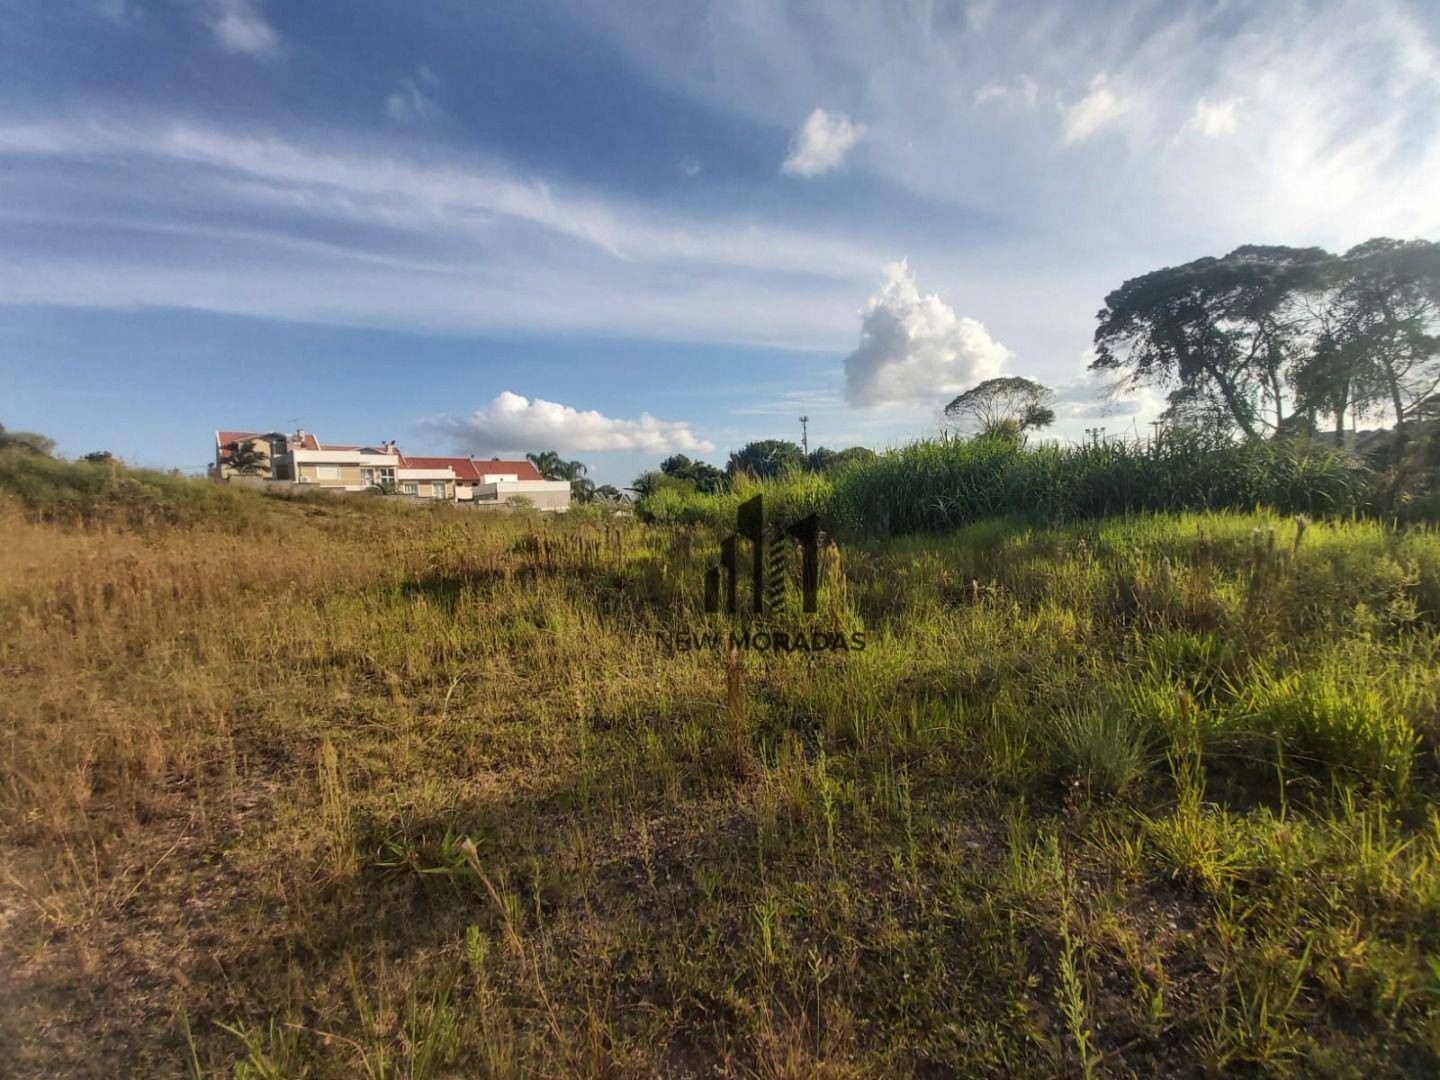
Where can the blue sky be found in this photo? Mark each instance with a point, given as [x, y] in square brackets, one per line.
[622, 230]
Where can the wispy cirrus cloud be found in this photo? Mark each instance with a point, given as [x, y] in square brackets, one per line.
[1101, 107]
[1339, 105]
[358, 234]
[1214, 119]
[1022, 90]
[448, 195]
[412, 101]
[240, 27]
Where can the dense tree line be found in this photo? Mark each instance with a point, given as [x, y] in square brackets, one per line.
[763, 459]
[1269, 339]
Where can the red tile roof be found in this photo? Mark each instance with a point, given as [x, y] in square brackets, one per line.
[471, 469]
[225, 438]
[229, 441]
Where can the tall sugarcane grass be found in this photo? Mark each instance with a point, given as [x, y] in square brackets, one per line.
[936, 485]
[940, 484]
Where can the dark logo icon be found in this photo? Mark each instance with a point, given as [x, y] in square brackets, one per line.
[769, 551]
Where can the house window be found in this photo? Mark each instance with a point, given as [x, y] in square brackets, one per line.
[387, 476]
[412, 488]
[367, 477]
[438, 489]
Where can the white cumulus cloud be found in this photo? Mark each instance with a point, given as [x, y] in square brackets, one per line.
[821, 144]
[914, 349]
[1214, 119]
[1097, 109]
[514, 423]
[240, 28]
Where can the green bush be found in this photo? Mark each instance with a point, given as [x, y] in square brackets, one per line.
[787, 498]
[80, 492]
[1333, 715]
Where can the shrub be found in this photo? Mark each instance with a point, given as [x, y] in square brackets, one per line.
[50, 489]
[1333, 715]
[787, 498]
[1105, 749]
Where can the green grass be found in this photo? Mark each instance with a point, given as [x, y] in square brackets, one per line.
[340, 787]
[936, 485]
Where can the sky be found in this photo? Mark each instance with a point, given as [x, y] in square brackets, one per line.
[624, 230]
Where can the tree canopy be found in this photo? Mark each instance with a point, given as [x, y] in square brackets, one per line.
[1266, 339]
[552, 466]
[704, 476]
[822, 459]
[766, 458]
[1007, 407]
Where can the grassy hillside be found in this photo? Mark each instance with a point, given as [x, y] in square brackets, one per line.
[339, 787]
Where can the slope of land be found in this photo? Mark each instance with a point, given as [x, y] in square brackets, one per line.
[340, 788]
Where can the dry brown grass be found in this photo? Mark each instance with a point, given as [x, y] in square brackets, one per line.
[348, 788]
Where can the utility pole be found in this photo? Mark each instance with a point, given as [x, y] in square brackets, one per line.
[805, 434]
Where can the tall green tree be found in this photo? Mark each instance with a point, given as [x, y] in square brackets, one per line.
[547, 463]
[1229, 331]
[551, 466]
[705, 477]
[1007, 407]
[1327, 382]
[1384, 320]
[766, 458]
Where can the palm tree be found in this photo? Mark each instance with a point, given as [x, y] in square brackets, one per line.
[547, 463]
[245, 459]
[581, 489]
[552, 466]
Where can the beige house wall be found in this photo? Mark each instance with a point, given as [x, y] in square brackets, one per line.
[342, 475]
[542, 495]
[425, 488]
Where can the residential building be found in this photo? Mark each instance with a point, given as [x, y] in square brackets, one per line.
[301, 459]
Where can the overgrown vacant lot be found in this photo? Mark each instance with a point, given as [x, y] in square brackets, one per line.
[346, 788]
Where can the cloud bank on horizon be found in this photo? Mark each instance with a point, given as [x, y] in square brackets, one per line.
[733, 179]
[513, 423]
